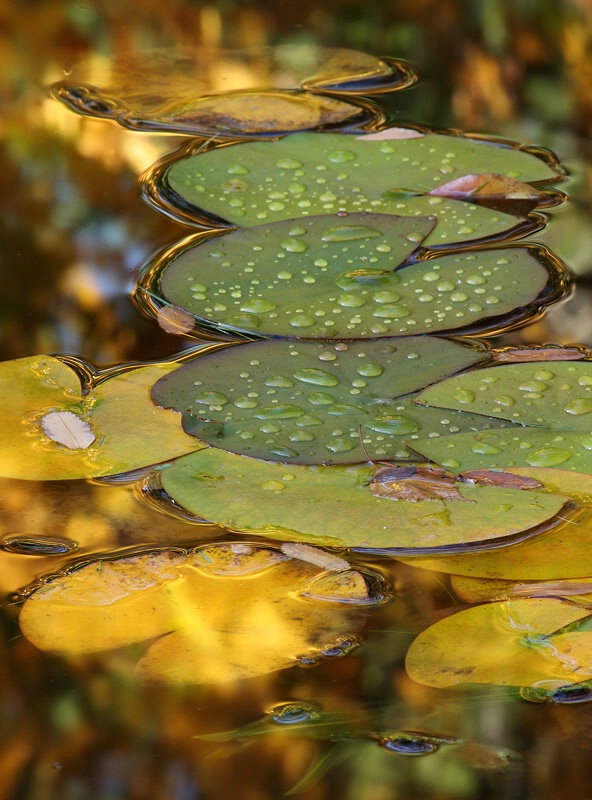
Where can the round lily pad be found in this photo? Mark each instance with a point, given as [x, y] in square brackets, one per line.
[190, 601]
[514, 643]
[49, 430]
[323, 173]
[555, 394]
[336, 276]
[335, 506]
[310, 402]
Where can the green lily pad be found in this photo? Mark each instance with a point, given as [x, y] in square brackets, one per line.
[311, 174]
[510, 447]
[520, 643]
[310, 402]
[334, 277]
[334, 505]
[555, 395]
[49, 430]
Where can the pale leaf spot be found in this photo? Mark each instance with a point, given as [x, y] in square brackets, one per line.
[392, 133]
[68, 429]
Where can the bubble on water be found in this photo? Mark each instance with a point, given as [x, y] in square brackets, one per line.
[548, 457]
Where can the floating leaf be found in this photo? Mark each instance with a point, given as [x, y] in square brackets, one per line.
[542, 353]
[220, 627]
[68, 429]
[229, 92]
[333, 276]
[174, 320]
[312, 174]
[49, 430]
[563, 552]
[516, 646]
[309, 402]
[334, 506]
[488, 186]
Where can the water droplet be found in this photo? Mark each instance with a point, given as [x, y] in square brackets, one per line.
[395, 424]
[245, 402]
[296, 188]
[585, 380]
[502, 508]
[302, 436]
[351, 301]
[294, 245]
[475, 280]
[485, 449]
[341, 445]
[327, 356]
[321, 399]
[284, 276]
[341, 156]
[445, 286]
[587, 442]
[458, 297]
[366, 278]
[273, 486]
[210, 398]
[386, 297]
[236, 185]
[237, 169]
[392, 312]
[504, 400]
[257, 306]
[279, 382]
[548, 457]
[579, 406]
[297, 230]
[293, 713]
[316, 376]
[464, 396]
[289, 163]
[544, 375]
[270, 428]
[370, 370]
[348, 233]
[533, 386]
[307, 420]
[302, 321]
[281, 411]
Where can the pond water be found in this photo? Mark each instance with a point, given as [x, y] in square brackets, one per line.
[361, 669]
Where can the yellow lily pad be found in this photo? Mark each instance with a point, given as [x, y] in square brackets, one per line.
[51, 429]
[478, 590]
[223, 612]
[514, 643]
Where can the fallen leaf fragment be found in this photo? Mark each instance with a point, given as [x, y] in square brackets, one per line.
[174, 320]
[487, 185]
[68, 429]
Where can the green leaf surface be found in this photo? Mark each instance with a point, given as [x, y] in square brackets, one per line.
[312, 174]
[510, 447]
[310, 402]
[509, 644]
[334, 506]
[335, 277]
[128, 431]
[555, 395]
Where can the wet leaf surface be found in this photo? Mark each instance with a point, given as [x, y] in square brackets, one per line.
[127, 430]
[334, 505]
[221, 615]
[312, 174]
[516, 646]
[310, 402]
[335, 276]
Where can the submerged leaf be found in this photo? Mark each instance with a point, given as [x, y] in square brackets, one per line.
[334, 506]
[68, 429]
[516, 646]
[219, 627]
[309, 402]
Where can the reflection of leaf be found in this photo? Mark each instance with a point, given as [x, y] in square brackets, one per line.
[68, 429]
[226, 615]
[334, 277]
[281, 180]
[333, 505]
[40, 393]
[509, 643]
[310, 402]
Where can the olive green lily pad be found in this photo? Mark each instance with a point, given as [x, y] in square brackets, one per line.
[323, 173]
[563, 552]
[334, 505]
[335, 277]
[513, 643]
[555, 395]
[40, 394]
[221, 613]
[310, 402]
